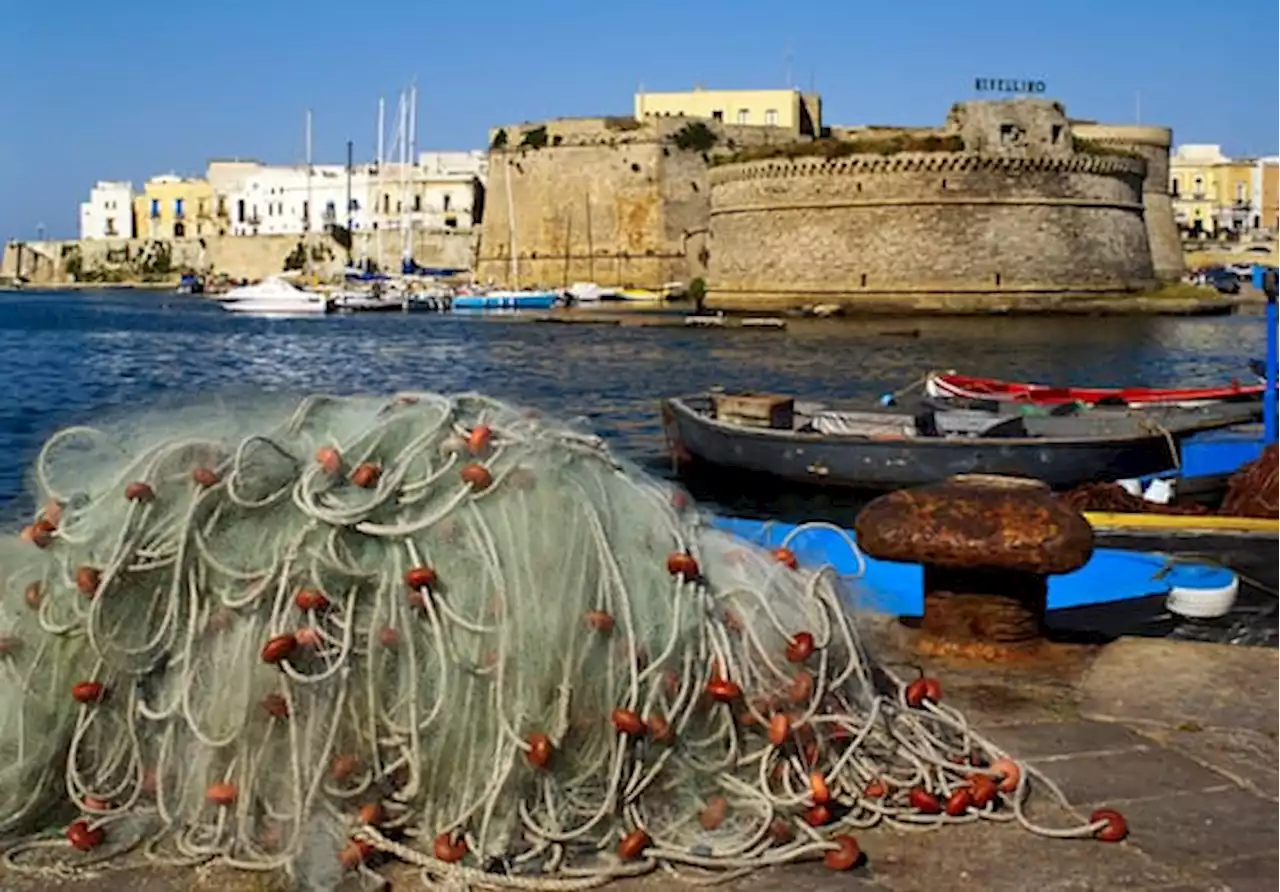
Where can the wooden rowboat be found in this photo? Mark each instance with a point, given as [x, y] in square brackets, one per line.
[947, 385]
[827, 446]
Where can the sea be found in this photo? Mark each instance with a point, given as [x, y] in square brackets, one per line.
[68, 358]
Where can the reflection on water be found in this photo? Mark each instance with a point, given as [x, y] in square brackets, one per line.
[65, 357]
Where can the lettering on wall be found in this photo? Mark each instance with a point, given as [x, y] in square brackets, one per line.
[1008, 85]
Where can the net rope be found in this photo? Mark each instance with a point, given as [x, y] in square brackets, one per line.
[445, 630]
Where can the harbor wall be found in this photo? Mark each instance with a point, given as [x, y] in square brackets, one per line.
[606, 200]
[54, 262]
[1005, 203]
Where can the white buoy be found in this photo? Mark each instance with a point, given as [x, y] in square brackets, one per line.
[1203, 603]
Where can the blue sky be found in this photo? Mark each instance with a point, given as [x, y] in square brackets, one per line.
[124, 90]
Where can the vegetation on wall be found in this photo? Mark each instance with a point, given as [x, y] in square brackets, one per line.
[1089, 147]
[499, 140]
[831, 149]
[156, 262]
[622, 123]
[74, 264]
[695, 137]
[535, 138]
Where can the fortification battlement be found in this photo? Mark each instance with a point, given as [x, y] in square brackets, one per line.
[1124, 134]
[616, 131]
[927, 162]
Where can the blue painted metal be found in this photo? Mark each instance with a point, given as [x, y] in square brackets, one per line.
[898, 589]
[506, 300]
[1270, 396]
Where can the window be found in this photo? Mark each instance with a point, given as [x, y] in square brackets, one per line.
[179, 230]
[240, 210]
[111, 226]
[417, 203]
[1240, 192]
[177, 207]
[448, 201]
[771, 117]
[717, 115]
[1173, 187]
[353, 204]
[155, 207]
[450, 222]
[743, 115]
[330, 210]
[1054, 133]
[1198, 188]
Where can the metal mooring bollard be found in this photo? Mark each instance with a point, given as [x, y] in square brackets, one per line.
[988, 545]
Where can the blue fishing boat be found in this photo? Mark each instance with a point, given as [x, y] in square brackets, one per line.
[1192, 588]
[507, 300]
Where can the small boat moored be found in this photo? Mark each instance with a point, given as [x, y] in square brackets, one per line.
[506, 300]
[822, 445]
[948, 385]
[274, 297]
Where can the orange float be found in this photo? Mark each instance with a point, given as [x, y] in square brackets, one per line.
[845, 856]
[279, 648]
[355, 853]
[343, 766]
[712, 815]
[308, 636]
[205, 477]
[722, 690]
[779, 728]
[982, 789]
[786, 557]
[1007, 773]
[875, 790]
[818, 790]
[600, 621]
[87, 581]
[627, 722]
[83, 838]
[801, 688]
[923, 801]
[370, 814]
[632, 845]
[221, 794]
[818, 816]
[310, 599]
[87, 692]
[800, 647]
[682, 563]
[660, 730]
[420, 577]
[447, 849]
[958, 802]
[539, 752]
[1117, 827]
[330, 460]
[476, 476]
[139, 492]
[366, 475]
[478, 439]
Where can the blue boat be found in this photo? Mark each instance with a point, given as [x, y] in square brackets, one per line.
[897, 589]
[507, 300]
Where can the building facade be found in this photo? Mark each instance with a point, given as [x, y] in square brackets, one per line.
[109, 211]
[174, 207]
[1214, 195]
[793, 111]
[1266, 185]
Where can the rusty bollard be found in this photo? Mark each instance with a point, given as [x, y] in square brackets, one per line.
[987, 545]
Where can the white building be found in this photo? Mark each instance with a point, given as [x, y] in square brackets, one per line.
[444, 190]
[109, 211]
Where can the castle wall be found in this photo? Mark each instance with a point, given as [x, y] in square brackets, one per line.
[607, 200]
[1153, 144]
[788, 233]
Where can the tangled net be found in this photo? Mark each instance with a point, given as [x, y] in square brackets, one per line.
[441, 629]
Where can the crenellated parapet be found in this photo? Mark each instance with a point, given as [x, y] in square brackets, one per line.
[927, 162]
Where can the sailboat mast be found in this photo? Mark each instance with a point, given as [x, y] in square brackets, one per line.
[306, 207]
[377, 182]
[411, 151]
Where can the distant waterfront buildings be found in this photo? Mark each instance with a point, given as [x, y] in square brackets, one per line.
[793, 111]
[109, 211]
[1215, 195]
[441, 191]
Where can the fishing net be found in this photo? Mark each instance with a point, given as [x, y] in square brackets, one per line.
[313, 636]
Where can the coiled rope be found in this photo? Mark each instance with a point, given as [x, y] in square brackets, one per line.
[444, 630]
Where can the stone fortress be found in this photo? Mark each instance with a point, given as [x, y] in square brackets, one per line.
[1009, 201]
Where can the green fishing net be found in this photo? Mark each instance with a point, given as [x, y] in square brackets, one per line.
[316, 636]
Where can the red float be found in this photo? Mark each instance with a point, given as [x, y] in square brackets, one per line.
[139, 492]
[627, 722]
[1117, 827]
[279, 648]
[449, 850]
[923, 801]
[477, 476]
[632, 845]
[786, 557]
[87, 692]
[682, 564]
[800, 647]
[844, 857]
[540, 750]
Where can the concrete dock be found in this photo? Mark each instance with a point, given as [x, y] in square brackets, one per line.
[1180, 737]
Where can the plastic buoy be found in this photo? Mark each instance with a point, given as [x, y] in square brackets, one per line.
[1201, 591]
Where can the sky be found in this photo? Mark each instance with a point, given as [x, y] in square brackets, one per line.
[125, 90]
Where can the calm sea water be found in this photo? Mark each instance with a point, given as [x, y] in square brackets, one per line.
[65, 357]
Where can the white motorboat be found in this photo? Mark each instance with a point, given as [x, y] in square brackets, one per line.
[274, 296]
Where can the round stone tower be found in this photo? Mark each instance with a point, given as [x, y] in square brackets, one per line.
[1153, 144]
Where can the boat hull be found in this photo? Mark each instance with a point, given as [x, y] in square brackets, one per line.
[871, 463]
[951, 386]
[506, 301]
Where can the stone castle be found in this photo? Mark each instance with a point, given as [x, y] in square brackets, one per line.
[1006, 200]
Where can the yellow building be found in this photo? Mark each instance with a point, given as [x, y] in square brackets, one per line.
[1268, 186]
[799, 113]
[1213, 194]
[175, 207]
